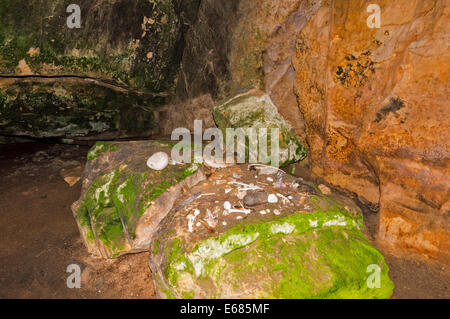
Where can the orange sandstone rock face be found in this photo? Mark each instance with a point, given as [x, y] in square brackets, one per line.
[375, 103]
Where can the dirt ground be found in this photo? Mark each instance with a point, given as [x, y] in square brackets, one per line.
[39, 237]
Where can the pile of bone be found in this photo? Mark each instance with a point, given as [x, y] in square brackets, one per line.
[267, 191]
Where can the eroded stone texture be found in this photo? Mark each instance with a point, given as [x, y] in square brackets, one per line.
[122, 200]
[132, 49]
[375, 103]
[253, 109]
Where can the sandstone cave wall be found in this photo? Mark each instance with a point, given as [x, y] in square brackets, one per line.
[372, 104]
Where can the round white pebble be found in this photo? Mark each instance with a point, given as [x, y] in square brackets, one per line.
[269, 179]
[276, 212]
[227, 205]
[263, 212]
[158, 161]
[290, 197]
[239, 217]
[196, 212]
[272, 198]
[224, 223]
[198, 224]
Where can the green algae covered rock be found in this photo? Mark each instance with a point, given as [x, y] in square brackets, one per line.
[122, 200]
[318, 252]
[255, 109]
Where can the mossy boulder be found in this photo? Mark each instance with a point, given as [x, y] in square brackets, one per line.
[252, 108]
[122, 200]
[311, 250]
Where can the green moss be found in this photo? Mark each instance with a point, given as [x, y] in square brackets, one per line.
[156, 245]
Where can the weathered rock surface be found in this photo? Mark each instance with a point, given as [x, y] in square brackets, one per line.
[123, 59]
[255, 109]
[122, 200]
[287, 249]
[372, 104]
[375, 103]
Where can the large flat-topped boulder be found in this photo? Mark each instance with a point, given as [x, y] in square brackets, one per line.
[293, 242]
[123, 200]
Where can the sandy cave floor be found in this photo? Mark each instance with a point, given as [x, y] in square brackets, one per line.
[39, 237]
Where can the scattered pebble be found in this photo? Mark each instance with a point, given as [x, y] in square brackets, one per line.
[276, 212]
[227, 205]
[239, 217]
[272, 198]
[196, 212]
[224, 223]
[158, 161]
[269, 179]
[198, 224]
[263, 212]
[241, 194]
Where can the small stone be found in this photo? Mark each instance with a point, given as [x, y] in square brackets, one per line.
[224, 223]
[196, 212]
[263, 212]
[276, 212]
[272, 198]
[198, 224]
[158, 161]
[269, 179]
[239, 217]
